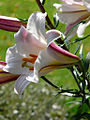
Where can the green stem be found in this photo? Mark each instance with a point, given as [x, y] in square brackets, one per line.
[71, 69]
[46, 80]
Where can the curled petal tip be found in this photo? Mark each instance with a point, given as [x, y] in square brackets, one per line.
[57, 5]
[45, 14]
[16, 91]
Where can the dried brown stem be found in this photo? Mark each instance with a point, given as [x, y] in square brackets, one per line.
[43, 11]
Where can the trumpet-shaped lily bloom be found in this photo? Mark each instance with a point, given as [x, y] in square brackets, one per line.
[72, 12]
[35, 53]
[10, 24]
[4, 76]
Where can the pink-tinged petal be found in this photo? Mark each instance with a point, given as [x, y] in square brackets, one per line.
[53, 58]
[70, 26]
[44, 64]
[36, 24]
[21, 84]
[27, 43]
[10, 24]
[73, 12]
[2, 64]
[62, 55]
[31, 77]
[70, 13]
[52, 35]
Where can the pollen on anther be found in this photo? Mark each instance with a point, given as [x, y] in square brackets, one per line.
[32, 68]
[31, 60]
[33, 55]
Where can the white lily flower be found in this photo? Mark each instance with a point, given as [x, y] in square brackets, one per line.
[35, 53]
[73, 12]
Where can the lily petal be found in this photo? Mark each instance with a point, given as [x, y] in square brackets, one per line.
[36, 25]
[63, 56]
[73, 12]
[21, 84]
[79, 2]
[27, 43]
[70, 13]
[43, 62]
[14, 62]
[32, 78]
[52, 35]
[53, 58]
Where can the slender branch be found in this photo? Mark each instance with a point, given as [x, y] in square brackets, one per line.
[46, 80]
[47, 18]
[71, 69]
[47, 27]
[62, 43]
[72, 91]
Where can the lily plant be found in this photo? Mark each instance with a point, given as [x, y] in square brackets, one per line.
[73, 12]
[35, 53]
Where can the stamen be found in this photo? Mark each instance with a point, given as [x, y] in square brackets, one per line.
[32, 55]
[28, 60]
[32, 68]
[31, 60]
[24, 64]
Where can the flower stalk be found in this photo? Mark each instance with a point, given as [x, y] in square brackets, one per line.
[46, 80]
[71, 69]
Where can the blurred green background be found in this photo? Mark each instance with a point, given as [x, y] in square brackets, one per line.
[39, 101]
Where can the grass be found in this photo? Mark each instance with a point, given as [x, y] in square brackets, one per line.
[39, 101]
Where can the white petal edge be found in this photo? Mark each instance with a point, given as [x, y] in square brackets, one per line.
[52, 35]
[27, 43]
[14, 62]
[43, 60]
[70, 13]
[9, 18]
[21, 84]
[32, 78]
[36, 24]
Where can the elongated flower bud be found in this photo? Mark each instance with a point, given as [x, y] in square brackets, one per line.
[10, 24]
[6, 77]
